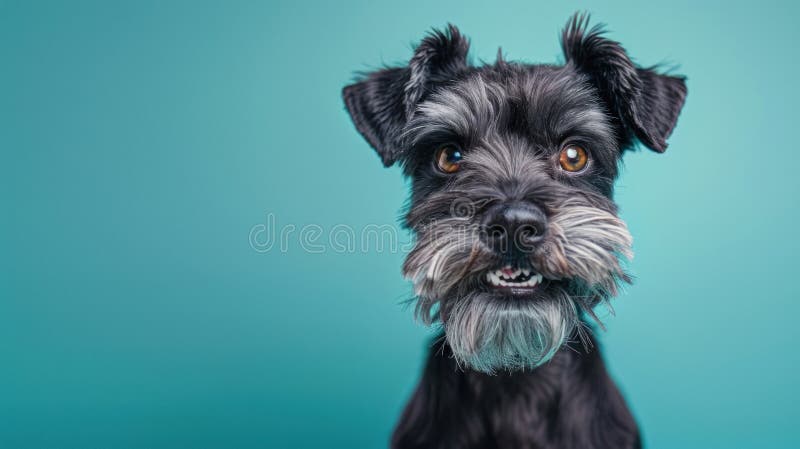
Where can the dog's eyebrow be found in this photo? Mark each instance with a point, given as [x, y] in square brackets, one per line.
[546, 106]
[469, 109]
[436, 120]
[590, 124]
[585, 120]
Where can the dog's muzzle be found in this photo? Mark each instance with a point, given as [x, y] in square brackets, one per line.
[513, 229]
[509, 282]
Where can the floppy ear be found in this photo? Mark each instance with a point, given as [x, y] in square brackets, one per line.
[647, 103]
[381, 103]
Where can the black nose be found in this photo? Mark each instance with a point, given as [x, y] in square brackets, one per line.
[514, 227]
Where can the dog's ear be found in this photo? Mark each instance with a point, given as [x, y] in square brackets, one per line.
[647, 103]
[381, 103]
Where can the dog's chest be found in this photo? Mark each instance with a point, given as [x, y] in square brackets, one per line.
[522, 410]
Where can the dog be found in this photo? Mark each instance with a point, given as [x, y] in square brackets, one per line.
[516, 234]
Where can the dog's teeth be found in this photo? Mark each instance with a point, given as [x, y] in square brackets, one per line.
[498, 278]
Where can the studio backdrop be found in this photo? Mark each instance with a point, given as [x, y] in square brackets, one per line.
[198, 250]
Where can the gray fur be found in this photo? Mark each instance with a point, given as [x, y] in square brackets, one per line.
[579, 256]
[511, 120]
[487, 333]
[482, 145]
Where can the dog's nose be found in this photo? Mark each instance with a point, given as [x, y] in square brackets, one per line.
[514, 227]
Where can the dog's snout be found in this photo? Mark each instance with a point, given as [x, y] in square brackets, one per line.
[515, 226]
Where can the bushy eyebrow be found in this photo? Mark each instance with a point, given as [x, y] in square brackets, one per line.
[545, 107]
[471, 109]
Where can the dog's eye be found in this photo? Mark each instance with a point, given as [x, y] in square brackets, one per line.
[448, 158]
[573, 158]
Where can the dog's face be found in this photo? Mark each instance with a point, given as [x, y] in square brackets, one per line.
[513, 168]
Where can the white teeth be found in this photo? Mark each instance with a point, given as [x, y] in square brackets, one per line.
[497, 278]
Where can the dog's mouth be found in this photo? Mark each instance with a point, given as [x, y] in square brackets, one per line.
[513, 279]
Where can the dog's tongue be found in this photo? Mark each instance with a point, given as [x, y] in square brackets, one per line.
[508, 271]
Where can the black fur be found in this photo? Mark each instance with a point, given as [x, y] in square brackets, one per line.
[569, 403]
[382, 102]
[515, 368]
[647, 103]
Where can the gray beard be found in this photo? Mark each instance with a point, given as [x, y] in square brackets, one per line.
[487, 333]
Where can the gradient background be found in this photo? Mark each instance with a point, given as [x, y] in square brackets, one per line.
[141, 142]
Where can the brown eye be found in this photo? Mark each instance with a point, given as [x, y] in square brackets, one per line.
[573, 158]
[448, 159]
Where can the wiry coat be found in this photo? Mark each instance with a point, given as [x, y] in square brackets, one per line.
[571, 402]
[511, 370]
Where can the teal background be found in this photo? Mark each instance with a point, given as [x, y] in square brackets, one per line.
[140, 143]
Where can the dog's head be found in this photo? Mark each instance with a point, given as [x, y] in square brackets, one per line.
[512, 169]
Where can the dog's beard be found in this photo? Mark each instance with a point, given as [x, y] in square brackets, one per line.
[487, 333]
[486, 330]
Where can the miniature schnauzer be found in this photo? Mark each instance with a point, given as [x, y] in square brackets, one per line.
[517, 238]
